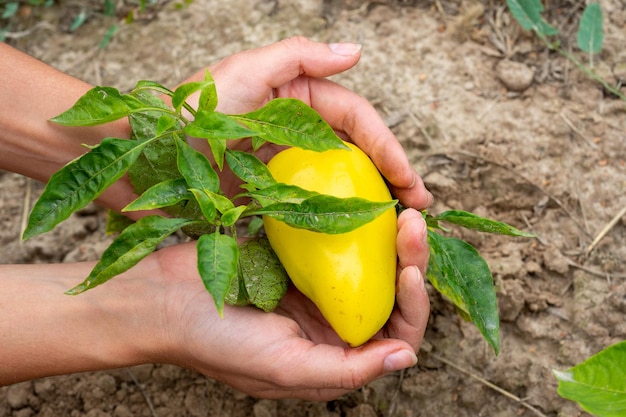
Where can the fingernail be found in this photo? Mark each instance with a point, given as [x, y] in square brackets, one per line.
[424, 232]
[399, 360]
[431, 199]
[420, 279]
[414, 180]
[345, 49]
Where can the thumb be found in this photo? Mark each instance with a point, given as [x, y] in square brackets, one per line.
[295, 56]
[281, 62]
[336, 368]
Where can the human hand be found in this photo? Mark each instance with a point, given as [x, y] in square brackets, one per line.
[296, 67]
[291, 352]
[295, 351]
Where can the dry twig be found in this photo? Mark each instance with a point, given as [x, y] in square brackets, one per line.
[143, 392]
[488, 384]
[523, 177]
[594, 271]
[393, 405]
[571, 125]
[605, 230]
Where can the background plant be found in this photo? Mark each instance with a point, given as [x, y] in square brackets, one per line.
[589, 37]
[126, 11]
[597, 384]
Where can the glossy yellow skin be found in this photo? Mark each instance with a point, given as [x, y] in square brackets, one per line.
[350, 276]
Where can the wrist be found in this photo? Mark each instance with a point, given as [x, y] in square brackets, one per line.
[129, 312]
[45, 332]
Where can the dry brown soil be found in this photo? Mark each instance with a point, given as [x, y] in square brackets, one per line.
[493, 122]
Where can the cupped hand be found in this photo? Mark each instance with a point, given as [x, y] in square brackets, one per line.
[292, 352]
[296, 67]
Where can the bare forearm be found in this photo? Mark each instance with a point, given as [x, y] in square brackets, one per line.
[31, 93]
[45, 332]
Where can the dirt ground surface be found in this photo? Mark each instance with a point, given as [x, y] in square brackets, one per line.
[494, 123]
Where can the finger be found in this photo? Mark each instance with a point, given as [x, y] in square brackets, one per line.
[322, 372]
[416, 196]
[295, 56]
[412, 240]
[408, 321]
[352, 114]
[281, 62]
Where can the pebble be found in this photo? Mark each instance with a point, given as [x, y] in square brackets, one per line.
[17, 395]
[554, 260]
[265, 408]
[515, 76]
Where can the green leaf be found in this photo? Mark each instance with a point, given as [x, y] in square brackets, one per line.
[598, 384]
[196, 168]
[206, 204]
[280, 193]
[151, 121]
[327, 214]
[106, 39]
[222, 203]
[143, 85]
[458, 272]
[208, 94]
[289, 121]
[481, 224]
[262, 281]
[257, 142]
[163, 194]
[590, 34]
[99, 105]
[218, 149]
[182, 93]
[249, 168]
[217, 128]
[78, 20]
[230, 216]
[164, 124]
[10, 9]
[218, 259]
[109, 8]
[255, 226]
[80, 182]
[156, 164]
[528, 15]
[136, 242]
[116, 222]
[216, 125]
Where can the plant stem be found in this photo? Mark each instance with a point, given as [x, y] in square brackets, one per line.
[588, 71]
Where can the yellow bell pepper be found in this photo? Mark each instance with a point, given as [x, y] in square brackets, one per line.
[349, 276]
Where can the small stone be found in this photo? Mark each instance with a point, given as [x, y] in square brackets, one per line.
[439, 182]
[265, 408]
[45, 389]
[17, 395]
[510, 300]
[554, 261]
[107, 384]
[122, 411]
[24, 412]
[515, 76]
[362, 410]
[94, 412]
